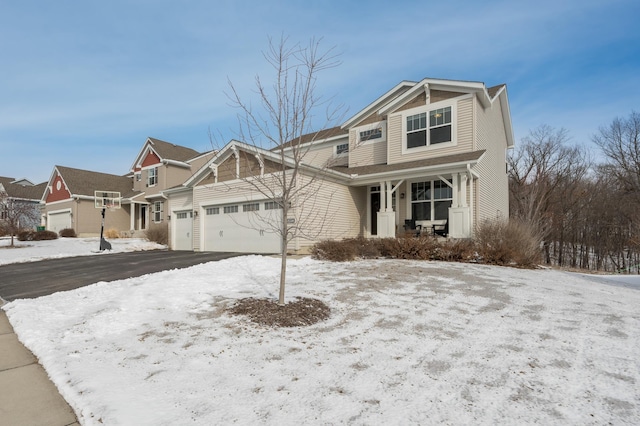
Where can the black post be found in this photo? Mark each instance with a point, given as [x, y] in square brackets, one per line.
[104, 244]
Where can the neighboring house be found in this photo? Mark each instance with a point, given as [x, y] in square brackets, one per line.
[25, 191]
[428, 152]
[70, 202]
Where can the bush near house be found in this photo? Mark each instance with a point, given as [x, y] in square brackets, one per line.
[68, 233]
[112, 233]
[158, 234]
[497, 242]
[30, 235]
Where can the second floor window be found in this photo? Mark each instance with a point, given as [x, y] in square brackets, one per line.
[437, 130]
[153, 176]
[343, 148]
[368, 135]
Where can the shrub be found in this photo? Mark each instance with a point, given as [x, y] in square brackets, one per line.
[113, 233]
[68, 233]
[335, 251]
[510, 242]
[408, 247]
[158, 234]
[30, 235]
[457, 251]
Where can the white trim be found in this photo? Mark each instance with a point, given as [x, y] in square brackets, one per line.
[372, 107]
[69, 210]
[66, 200]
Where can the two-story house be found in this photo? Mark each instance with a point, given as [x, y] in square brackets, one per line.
[424, 153]
[24, 192]
[69, 196]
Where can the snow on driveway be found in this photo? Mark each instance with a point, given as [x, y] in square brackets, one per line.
[408, 342]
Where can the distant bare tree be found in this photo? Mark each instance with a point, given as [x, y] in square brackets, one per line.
[544, 172]
[620, 143]
[290, 109]
[16, 214]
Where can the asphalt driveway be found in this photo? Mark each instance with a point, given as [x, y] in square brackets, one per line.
[35, 279]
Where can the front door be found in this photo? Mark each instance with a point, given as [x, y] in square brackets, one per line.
[375, 208]
[143, 217]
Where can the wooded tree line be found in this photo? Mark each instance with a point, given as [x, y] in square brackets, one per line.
[585, 205]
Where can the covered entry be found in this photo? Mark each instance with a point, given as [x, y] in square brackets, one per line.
[242, 227]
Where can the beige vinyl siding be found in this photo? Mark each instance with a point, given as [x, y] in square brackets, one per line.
[334, 211]
[324, 155]
[89, 219]
[368, 153]
[464, 136]
[492, 190]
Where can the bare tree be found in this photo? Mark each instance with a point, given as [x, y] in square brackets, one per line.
[543, 175]
[16, 214]
[620, 143]
[290, 109]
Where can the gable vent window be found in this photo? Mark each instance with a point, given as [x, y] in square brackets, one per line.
[438, 127]
[343, 148]
[372, 134]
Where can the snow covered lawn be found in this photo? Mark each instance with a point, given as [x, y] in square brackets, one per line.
[408, 342]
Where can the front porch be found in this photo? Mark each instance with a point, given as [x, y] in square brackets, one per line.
[438, 199]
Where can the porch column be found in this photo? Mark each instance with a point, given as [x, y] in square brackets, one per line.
[132, 216]
[386, 216]
[456, 190]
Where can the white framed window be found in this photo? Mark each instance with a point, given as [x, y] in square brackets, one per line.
[182, 215]
[138, 176]
[230, 209]
[251, 207]
[343, 148]
[212, 210]
[429, 128]
[371, 134]
[157, 211]
[430, 200]
[152, 176]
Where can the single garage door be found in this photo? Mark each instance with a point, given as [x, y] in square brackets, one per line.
[183, 228]
[242, 228]
[58, 221]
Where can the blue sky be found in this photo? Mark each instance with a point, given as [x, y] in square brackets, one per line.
[83, 83]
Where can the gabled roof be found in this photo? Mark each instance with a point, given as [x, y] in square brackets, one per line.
[166, 151]
[85, 182]
[19, 190]
[320, 135]
[171, 151]
[234, 146]
[398, 90]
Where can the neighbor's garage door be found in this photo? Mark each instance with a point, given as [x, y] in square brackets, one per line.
[58, 221]
[183, 229]
[242, 228]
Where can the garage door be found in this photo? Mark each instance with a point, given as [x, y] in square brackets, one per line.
[58, 221]
[242, 228]
[183, 227]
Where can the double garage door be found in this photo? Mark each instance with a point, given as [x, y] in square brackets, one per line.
[243, 228]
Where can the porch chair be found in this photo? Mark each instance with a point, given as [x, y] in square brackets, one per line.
[411, 227]
[441, 229]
